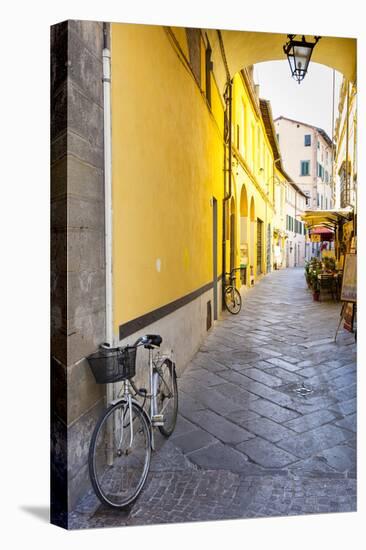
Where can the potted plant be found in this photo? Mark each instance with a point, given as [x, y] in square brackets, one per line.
[307, 274]
[329, 264]
[315, 284]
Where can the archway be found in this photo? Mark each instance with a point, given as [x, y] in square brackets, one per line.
[245, 48]
[244, 245]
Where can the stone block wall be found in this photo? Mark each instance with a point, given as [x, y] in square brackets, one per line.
[77, 253]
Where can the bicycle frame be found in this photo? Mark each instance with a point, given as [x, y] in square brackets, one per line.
[154, 417]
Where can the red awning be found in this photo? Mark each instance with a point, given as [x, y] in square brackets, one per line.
[320, 230]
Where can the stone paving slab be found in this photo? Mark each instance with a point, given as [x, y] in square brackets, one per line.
[273, 411]
[340, 457]
[266, 428]
[266, 454]
[194, 440]
[310, 421]
[285, 376]
[239, 396]
[344, 394]
[263, 377]
[241, 417]
[220, 427]
[348, 422]
[218, 456]
[345, 407]
[279, 362]
[211, 400]
[309, 443]
[315, 466]
[206, 378]
[182, 427]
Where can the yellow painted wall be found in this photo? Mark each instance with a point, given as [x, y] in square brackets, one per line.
[257, 153]
[167, 163]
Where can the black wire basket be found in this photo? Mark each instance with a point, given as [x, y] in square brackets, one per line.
[113, 365]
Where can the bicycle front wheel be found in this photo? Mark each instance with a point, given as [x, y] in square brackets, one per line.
[167, 398]
[232, 300]
[119, 454]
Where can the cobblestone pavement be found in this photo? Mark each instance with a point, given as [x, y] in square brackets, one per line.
[267, 419]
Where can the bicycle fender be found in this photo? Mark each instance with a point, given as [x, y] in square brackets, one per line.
[118, 400]
[123, 400]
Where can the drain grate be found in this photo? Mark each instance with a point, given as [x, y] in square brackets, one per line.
[303, 390]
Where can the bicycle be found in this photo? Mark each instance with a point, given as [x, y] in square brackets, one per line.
[123, 438]
[231, 294]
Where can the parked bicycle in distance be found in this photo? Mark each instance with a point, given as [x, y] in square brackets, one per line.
[121, 444]
[231, 293]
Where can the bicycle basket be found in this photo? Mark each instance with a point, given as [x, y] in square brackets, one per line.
[113, 365]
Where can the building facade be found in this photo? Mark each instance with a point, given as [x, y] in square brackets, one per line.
[345, 165]
[307, 157]
[297, 245]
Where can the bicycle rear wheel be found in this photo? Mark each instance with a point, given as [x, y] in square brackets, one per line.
[118, 467]
[167, 399]
[232, 299]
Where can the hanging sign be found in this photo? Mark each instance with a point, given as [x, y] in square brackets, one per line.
[315, 238]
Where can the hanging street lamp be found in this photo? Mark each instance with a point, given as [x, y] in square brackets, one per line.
[298, 54]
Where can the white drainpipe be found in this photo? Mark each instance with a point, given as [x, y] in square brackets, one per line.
[108, 197]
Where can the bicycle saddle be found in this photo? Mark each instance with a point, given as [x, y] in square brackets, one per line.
[154, 339]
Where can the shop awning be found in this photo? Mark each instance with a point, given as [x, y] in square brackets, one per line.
[321, 231]
[325, 233]
[326, 218]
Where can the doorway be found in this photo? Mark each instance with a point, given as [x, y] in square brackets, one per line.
[269, 244]
[259, 246]
[214, 256]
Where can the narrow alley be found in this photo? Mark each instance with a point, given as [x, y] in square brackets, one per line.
[267, 418]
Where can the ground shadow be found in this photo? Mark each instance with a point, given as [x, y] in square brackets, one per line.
[40, 512]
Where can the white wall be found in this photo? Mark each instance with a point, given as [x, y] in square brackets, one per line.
[295, 242]
[293, 150]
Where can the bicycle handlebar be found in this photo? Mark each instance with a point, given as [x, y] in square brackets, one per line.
[141, 341]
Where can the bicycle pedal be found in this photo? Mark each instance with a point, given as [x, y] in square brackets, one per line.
[157, 420]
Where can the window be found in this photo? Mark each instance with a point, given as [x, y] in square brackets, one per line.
[208, 69]
[307, 140]
[194, 47]
[305, 167]
[278, 137]
[307, 201]
[345, 183]
[320, 171]
[318, 144]
[326, 176]
[318, 199]
[243, 125]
